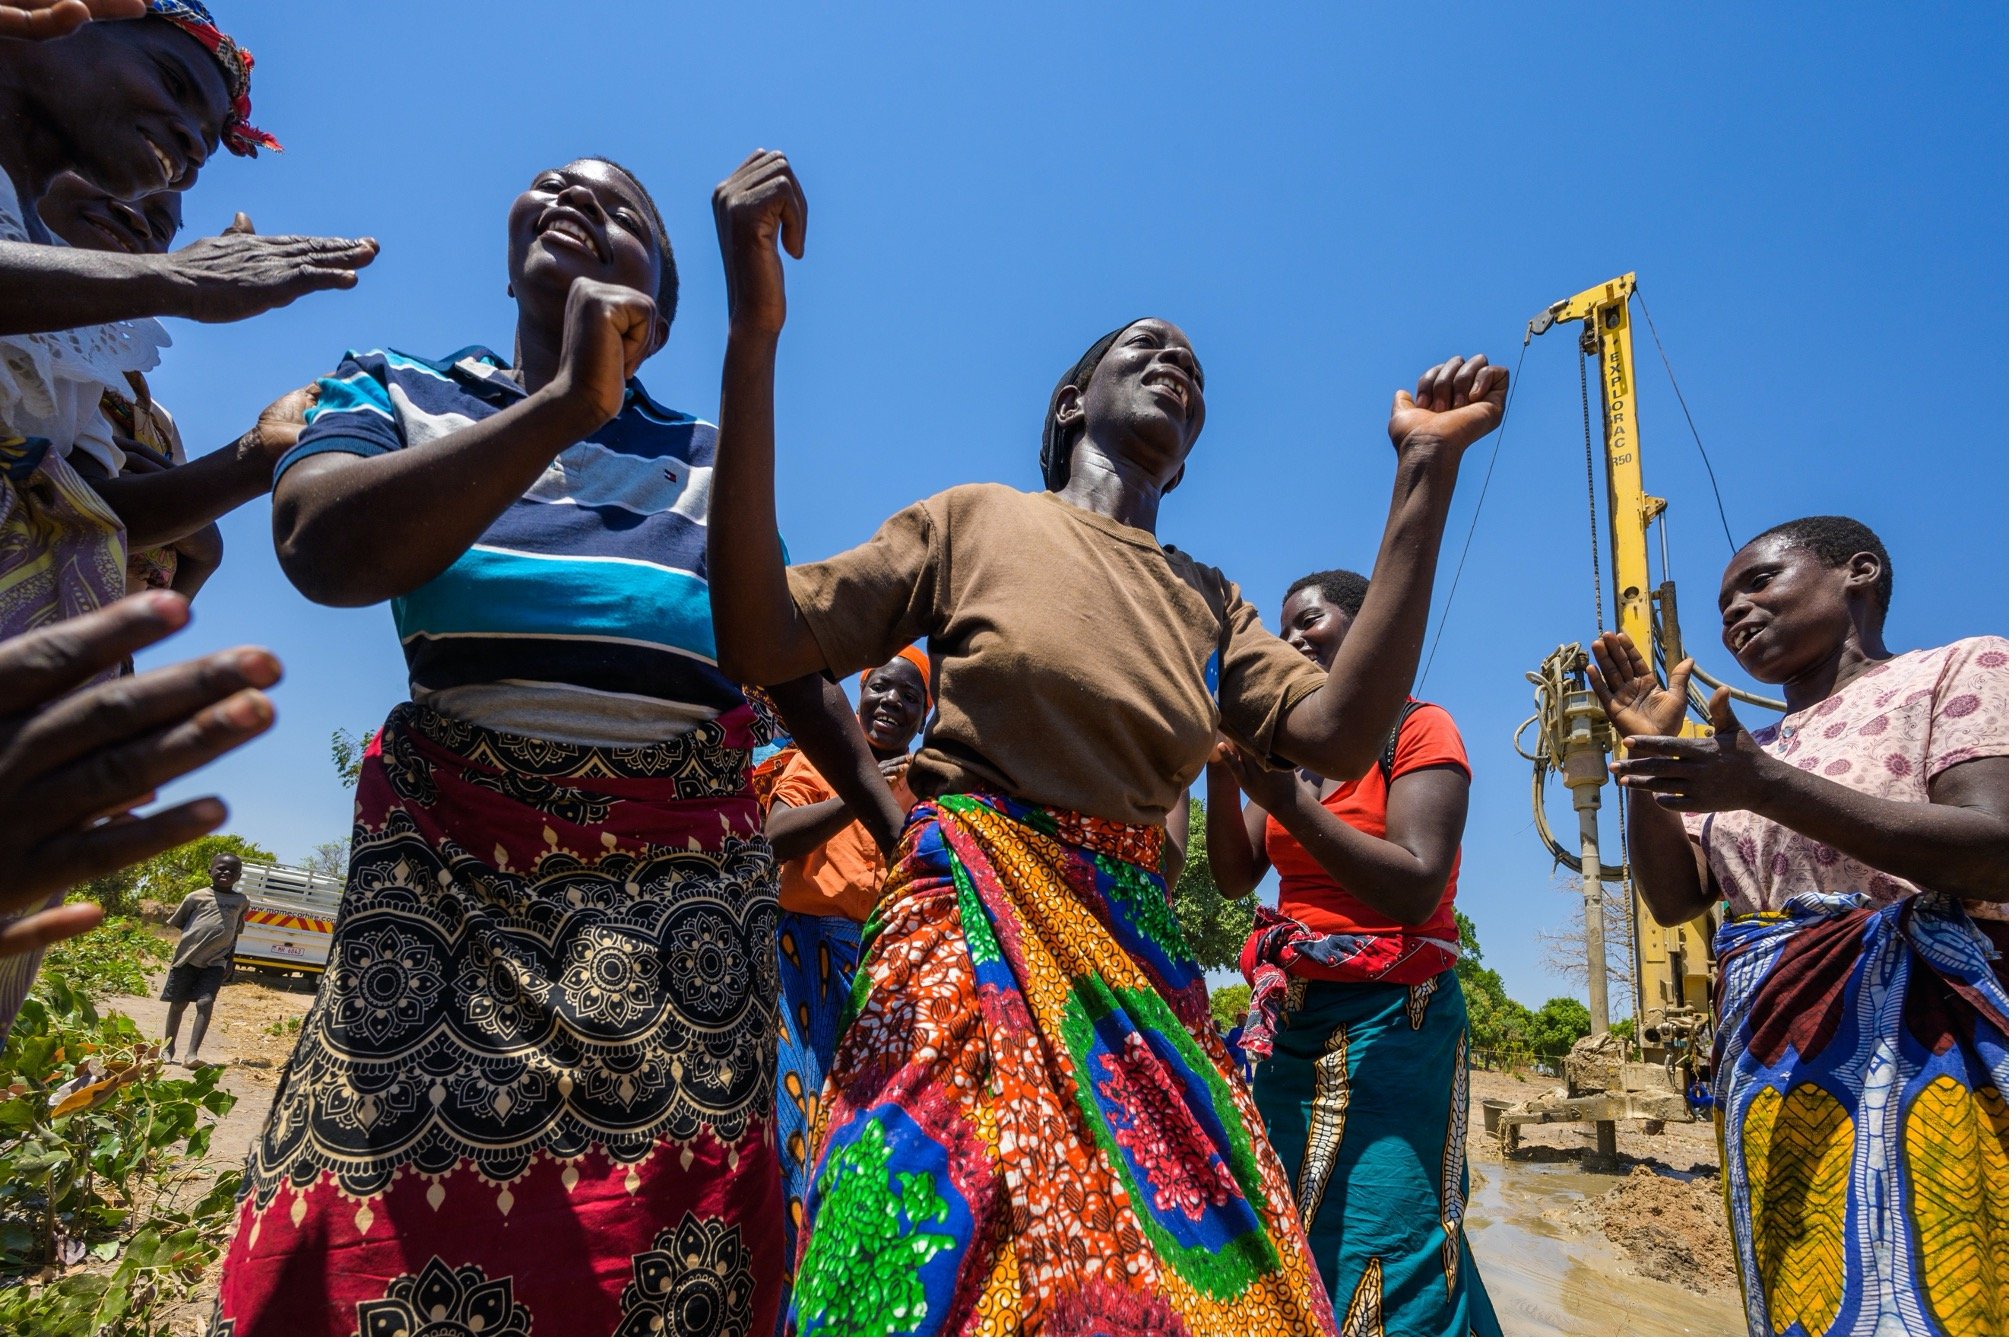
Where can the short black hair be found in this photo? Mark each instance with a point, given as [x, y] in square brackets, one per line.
[667, 297]
[1340, 587]
[1834, 541]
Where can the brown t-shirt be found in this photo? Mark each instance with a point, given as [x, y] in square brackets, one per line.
[1076, 663]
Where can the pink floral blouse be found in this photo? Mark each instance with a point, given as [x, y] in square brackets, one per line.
[1889, 734]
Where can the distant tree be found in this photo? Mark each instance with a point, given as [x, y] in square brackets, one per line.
[1558, 1023]
[168, 876]
[346, 752]
[1216, 927]
[1564, 948]
[329, 859]
[1498, 1024]
[1229, 1004]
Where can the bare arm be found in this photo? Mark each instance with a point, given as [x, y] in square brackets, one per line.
[354, 530]
[794, 831]
[1404, 874]
[1338, 731]
[1670, 869]
[758, 631]
[198, 556]
[1235, 836]
[825, 728]
[225, 278]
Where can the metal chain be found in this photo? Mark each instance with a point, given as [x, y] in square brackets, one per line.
[1589, 468]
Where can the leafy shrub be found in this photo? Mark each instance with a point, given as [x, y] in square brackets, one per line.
[113, 957]
[1229, 1005]
[98, 1165]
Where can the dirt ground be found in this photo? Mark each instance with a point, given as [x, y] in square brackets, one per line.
[1564, 1248]
[252, 1029]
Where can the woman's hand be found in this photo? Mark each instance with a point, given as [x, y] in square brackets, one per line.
[1728, 771]
[273, 435]
[759, 204]
[1453, 405]
[893, 769]
[1275, 791]
[239, 274]
[1630, 695]
[607, 335]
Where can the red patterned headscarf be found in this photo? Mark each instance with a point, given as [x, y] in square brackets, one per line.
[241, 137]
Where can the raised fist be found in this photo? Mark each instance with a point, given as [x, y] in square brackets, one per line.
[1453, 405]
[760, 204]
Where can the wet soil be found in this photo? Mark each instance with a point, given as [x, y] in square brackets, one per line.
[1569, 1248]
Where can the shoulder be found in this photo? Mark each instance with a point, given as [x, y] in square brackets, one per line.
[1429, 736]
[1988, 652]
[1207, 581]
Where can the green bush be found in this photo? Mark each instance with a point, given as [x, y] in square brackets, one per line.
[93, 1144]
[1230, 1004]
[113, 957]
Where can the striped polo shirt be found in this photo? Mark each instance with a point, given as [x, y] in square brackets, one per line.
[581, 614]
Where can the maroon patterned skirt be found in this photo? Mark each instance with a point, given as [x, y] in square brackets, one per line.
[534, 1092]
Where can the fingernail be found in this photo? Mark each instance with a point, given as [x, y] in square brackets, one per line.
[209, 811]
[166, 607]
[248, 708]
[257, 664]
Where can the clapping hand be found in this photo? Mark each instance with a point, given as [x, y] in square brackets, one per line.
[240, 273]
[1630, 695]
[1728, 771]
[39, 20]
[1275, 791]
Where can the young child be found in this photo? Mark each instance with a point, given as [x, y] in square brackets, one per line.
[210, 921]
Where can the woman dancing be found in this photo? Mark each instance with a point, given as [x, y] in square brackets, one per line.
[1029, 1125]
[534, 1093]
[1358, 1024]
[1862, 843]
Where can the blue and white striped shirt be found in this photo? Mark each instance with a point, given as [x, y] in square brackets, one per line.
[581, 614]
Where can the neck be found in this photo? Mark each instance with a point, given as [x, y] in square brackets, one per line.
[536, 351]
[1112, 486]
[1854, 655]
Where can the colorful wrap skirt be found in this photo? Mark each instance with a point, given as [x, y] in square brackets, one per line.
[1862, 1073]
[62, 554]
[534, 1092]
[815, 964]
[1029, 1126]
[1366, 1096]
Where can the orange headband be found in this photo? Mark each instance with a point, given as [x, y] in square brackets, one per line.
[916, 657]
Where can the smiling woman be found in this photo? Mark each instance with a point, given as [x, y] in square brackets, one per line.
[552, 1004]
[1862, 845]
[1029, 1054]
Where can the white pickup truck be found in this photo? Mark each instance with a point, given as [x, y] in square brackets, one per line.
[292, 916]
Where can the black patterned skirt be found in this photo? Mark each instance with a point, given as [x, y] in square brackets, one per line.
[534, 1092]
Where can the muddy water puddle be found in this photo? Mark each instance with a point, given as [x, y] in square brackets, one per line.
[1548, 1280]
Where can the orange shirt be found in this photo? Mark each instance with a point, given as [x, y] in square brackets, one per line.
[842, 876]
[1310, 895]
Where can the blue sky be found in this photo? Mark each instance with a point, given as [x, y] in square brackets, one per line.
[1327, 198]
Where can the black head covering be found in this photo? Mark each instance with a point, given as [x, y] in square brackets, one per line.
[1056, 458]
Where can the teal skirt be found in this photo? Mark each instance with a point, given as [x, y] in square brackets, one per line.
[1367, 1100]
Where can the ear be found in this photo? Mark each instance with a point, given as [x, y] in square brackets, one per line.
[1865, 570]
[1170, 488]
[1070, 407]
[510, 291]
[660, 333]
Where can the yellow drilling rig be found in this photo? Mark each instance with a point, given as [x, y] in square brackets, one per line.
[1671, 967]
